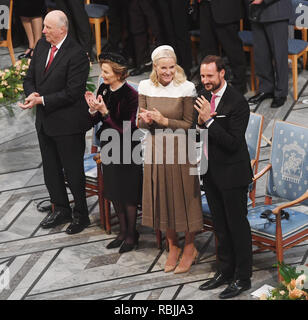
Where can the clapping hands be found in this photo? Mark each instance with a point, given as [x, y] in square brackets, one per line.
[95, 104]
[153, 115]
[204, 109]
[145, 116]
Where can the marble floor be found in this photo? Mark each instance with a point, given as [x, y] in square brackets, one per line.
[51, 265]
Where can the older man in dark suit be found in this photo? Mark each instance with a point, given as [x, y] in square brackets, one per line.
[55, 84]
[228, 176]
[269, 24]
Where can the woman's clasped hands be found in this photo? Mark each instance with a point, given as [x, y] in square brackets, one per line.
[96, 104]
[153, 115]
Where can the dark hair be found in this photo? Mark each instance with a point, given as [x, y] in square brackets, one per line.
[114, 57]
[220, 65]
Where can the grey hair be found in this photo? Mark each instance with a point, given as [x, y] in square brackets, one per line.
[60, 18]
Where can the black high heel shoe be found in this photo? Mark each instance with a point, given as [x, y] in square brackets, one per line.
[25, 55]
[126, 247]
[116, 243]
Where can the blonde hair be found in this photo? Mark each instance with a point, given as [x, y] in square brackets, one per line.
[179, 76]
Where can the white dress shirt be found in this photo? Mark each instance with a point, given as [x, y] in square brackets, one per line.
[219, 94]
[58, 46]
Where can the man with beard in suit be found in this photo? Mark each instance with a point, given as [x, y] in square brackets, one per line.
[55, 83]
[229, 173]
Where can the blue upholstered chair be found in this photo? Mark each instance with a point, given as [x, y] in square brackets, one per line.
[247, 40]
[253, 138]
[287, 180]
[98, 13]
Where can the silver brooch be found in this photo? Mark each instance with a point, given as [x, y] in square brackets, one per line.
[104, 92]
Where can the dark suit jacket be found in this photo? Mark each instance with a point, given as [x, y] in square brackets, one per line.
[272, 10]
[62, 86]
[229, 161]
[227, 11]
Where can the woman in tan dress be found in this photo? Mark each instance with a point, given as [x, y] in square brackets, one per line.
[171, 194]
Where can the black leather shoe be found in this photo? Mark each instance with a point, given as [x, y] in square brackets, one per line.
[116, 243]
[258, 98]
[278, 102]
[126, 247]
[235, 288]
[25, 55]
[56, 218]
[218, 280]
[46, 208]
[78, 225]
[140, 70]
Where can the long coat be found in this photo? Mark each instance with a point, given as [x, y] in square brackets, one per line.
[171, 194]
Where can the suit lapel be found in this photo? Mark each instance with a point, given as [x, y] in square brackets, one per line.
[42, 60]
[223, 100]
[56, 59]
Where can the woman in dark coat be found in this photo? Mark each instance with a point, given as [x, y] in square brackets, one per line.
[116, 102]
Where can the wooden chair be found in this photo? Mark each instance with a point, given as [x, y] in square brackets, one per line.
[246, 37]
[282, 226]
[253, 138]
[7, 42]
[195, 39]
[297, 48]
[94, 178]
[97, 15]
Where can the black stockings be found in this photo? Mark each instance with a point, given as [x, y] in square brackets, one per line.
[127, 215]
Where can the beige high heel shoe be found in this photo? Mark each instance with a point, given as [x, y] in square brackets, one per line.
[183, 269]
[171, 266]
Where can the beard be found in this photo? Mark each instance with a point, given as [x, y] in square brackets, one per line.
[212, 86]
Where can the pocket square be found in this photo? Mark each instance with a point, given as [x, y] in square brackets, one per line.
[221, 116]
